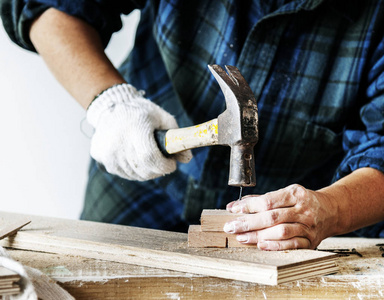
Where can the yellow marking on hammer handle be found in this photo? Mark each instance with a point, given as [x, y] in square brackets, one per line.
[180, 139]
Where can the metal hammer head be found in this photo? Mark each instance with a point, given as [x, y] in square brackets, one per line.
[238, 124]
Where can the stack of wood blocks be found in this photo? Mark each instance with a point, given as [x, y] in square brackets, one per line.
[9, 279]
[210, 233]
[8, 282]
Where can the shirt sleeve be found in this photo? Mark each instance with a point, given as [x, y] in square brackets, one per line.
[365, 146]
[103, 15]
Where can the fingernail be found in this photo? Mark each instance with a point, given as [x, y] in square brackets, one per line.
[238, 225]
[229, 227]
[242, 238]
[229, 206]
[236, 208]
[262, 245]
[268, 245]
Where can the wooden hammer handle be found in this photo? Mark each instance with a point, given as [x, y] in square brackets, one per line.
[176, 140]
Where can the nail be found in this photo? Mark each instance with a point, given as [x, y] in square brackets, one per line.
[229, 227]
[229, 206]
[262, 245]
[237, 225]
[243, 238]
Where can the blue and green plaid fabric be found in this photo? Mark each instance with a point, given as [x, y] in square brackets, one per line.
[316, 68]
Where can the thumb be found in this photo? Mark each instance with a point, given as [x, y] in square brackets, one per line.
[184, 156]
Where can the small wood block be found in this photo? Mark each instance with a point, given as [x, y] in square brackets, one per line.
[214, 219]
[201, 239]
[212, 239]
[6, 274]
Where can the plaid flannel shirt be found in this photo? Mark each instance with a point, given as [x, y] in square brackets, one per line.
[315, 67]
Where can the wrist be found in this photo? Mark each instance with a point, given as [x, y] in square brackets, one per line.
[101, 93]
[337, 197]
[108, 98]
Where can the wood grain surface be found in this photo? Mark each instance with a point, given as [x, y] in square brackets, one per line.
[212, 239]
[214, 219]
[359, 277]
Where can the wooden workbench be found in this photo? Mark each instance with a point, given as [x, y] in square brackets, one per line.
[361, 276]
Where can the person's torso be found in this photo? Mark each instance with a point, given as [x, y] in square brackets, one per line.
[305, 61]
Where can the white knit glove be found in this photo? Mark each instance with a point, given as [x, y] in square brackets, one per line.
[124, 141]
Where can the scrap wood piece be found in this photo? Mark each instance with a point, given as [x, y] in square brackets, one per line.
[8, 278]
[7, 275]
[211, 234]
[212, 239]
[8, 282]
[12, 227]
[167, 250]
[10, 291]
[214, 219]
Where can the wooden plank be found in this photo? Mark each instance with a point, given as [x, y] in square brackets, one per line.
[6, 284]
[12, 227]
[10, 291]
[161, 249]
[6, 274]
[214, 219]
[359, 277]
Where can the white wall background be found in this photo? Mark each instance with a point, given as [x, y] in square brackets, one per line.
[44, 153]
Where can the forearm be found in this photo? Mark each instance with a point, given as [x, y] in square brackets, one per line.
[73, 51]
[358, 198]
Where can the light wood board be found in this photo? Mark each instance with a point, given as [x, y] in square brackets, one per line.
[167, 250]
[212, 239]
[11, 227]
[85, 278]
[210, 233]
[214, 219]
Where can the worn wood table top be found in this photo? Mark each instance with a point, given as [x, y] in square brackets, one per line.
[361, 276]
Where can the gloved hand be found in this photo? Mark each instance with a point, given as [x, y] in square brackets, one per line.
[124, 141]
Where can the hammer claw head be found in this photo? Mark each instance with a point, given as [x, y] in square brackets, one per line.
[234, 74]
[238, 124]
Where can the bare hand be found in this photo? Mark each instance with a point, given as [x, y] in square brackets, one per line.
[290, 218]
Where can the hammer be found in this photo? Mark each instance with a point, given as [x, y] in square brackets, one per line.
[236, 127]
